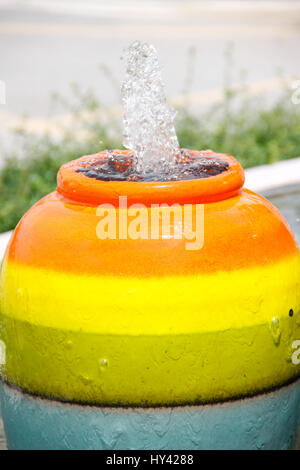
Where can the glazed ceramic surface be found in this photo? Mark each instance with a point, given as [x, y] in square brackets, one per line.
[146, 322]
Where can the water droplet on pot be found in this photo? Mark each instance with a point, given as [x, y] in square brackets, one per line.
[275, 330]
[103, 365]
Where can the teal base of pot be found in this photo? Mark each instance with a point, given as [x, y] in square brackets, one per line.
[267, 421]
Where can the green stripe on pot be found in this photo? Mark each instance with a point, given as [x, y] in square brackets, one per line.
[148, 370]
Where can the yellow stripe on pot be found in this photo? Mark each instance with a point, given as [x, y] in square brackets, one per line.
[153, 306]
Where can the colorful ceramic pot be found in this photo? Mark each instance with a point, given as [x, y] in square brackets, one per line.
[114, 341]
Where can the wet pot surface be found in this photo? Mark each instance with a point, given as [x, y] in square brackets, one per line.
[121, 337]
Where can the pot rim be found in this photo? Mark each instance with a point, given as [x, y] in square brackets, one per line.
[75, 186]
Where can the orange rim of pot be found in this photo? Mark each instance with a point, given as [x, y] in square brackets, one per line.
[75, 186]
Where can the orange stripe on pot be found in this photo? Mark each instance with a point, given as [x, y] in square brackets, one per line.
[239, 232]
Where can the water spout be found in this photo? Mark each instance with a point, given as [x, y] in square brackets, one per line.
[148, 120]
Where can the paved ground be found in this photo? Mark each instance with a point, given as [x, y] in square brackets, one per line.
[45, 45]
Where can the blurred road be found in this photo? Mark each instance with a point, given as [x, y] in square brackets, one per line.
[45, 45]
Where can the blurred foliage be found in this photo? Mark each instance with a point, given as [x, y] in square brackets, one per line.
[254, 135]
[254, 132]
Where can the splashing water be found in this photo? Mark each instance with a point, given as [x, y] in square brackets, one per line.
[149, 135]
[148, 120]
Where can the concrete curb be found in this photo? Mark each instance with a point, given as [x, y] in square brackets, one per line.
[268, 177]
[4, 239]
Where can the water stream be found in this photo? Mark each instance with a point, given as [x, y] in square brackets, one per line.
[148, 120]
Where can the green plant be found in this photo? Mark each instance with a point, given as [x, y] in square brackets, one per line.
[254, 135]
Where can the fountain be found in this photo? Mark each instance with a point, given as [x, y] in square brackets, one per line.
[150, 302]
